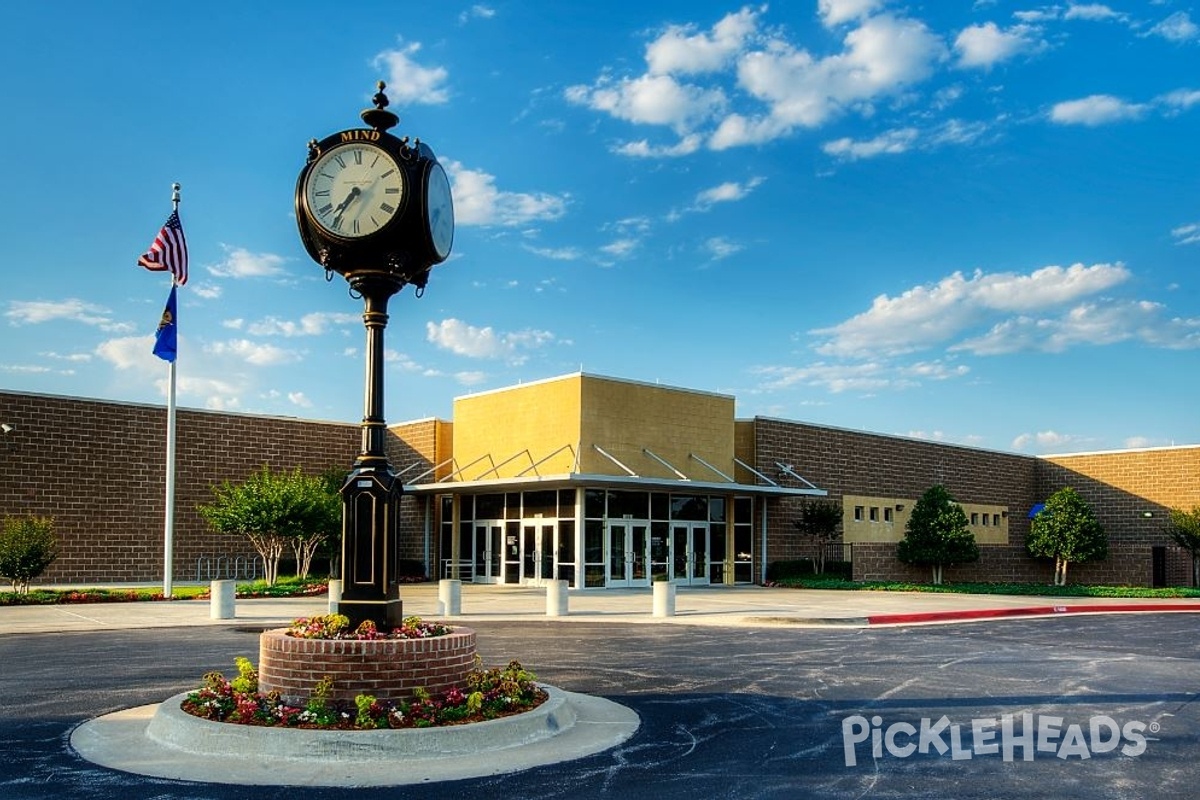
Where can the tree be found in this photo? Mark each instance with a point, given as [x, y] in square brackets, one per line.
[274, 511]
[27, 547]
[1184, 529]
[1067, 531]
[819, 519]
[936, 534]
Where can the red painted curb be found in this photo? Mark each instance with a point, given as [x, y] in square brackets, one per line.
[1030, 611]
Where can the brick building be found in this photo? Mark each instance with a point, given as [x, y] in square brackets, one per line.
[597, 481]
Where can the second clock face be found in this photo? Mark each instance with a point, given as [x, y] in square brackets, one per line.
[354, 190]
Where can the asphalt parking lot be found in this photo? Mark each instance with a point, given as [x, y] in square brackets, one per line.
[727, 712]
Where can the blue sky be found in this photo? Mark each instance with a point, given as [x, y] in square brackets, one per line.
[978, 223]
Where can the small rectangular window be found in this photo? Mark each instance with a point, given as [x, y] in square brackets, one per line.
[974, 517]
[858, 513]
[874, 514]
[985, 520]
[996, 520]
[887, 514]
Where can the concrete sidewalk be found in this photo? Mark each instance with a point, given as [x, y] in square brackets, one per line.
[717, 605]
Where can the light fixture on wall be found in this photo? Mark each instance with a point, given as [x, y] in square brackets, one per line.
[7, 428]
[1147, 514]
[899, 506]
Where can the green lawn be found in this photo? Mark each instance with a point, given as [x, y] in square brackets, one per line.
[1039, 589]
[284, 587]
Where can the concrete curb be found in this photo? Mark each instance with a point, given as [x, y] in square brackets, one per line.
[165, 742]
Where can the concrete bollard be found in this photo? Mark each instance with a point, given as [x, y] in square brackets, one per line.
[450, 597]
[556, 599]
[664, 599]
[222, 600]
[335, 594]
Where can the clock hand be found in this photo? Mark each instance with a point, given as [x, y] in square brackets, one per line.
[337, 217]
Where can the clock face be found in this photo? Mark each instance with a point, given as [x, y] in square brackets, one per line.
[439, 206]
[354, 190]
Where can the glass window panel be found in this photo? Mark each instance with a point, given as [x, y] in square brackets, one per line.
[512, 505]
[660, 506]
[743, 542]
[743, 572]
[632, 504]
[593, 542]
[743, 509]
[716, 545]
[593, 575]
[544, 503]
[566, 503]
[716, 509]
[566, 540]
[593, 503]
[689, 507]
[489, 506]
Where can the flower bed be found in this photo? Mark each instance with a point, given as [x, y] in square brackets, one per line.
[485, 694]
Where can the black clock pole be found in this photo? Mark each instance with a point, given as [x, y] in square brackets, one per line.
[368, 210]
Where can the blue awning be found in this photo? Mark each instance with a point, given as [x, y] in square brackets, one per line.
[1037, 509]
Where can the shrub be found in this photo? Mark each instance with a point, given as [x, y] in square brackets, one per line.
[27, 547]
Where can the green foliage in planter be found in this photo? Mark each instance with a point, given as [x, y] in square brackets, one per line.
[937, 534]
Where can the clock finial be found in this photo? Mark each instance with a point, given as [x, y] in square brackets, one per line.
[379, 117]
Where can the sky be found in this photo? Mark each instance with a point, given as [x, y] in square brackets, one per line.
[976, 223]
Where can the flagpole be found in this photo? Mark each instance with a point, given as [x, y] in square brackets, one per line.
[169, 520]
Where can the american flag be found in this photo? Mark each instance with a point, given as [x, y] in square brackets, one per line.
[169, 251]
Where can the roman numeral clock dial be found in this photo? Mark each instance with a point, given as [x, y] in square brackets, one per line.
[354, 190]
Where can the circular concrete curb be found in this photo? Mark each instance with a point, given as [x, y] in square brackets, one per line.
[163, 741]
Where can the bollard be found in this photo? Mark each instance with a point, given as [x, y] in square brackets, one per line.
[222, 600]
[335, 594]
[556, 599]
[450, 597]
[664, 599]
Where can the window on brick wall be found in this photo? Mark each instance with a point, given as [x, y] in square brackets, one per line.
[974, 517]
[887, 514]
[986, 520]
[874, 513]
[996, 520]
[858, 513]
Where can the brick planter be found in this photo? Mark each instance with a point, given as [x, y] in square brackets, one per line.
[389, 669]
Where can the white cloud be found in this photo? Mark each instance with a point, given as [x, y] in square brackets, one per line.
[408, 81]
[476, 12]
[986, 45]
[241, 263]
[209, 291]
[1050, 441]
[1180, 99]
[866, 376]
[1177, 28]
[256, 354]
[779, 86]
[728, 192]
[680, 50]
[1187, 234]
[620, 248]
[1092, 11]
[889, 143]
[130, 352]
[1098, 109]
[556, 253]
[470, 377]
[313, 324]
[477, 200]
[931, 314]
[643, 149]
[467, 340]
[36, 312]
[299, 399]
[650, 99]
[836, 12]
[718, 247]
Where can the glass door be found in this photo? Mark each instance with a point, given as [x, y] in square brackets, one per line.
[689, 553]
[537, 554]
[486, 565]
[628, 554]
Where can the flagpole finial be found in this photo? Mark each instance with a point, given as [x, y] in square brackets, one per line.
[175, 195]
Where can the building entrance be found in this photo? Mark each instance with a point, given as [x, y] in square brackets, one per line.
[628, 553]
[689, 553]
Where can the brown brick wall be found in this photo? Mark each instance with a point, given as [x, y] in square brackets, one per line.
[1121, 487]
[99, 469]
[389, 669]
